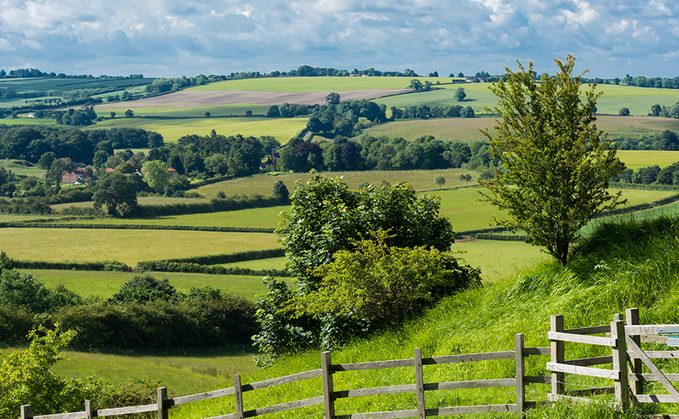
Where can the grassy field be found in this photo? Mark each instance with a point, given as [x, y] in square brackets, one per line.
[20, 169]
[184, 372]
[43, 84]
[225, 110]
[142, 200]
[634, 159]
[312, 84]
[172, 129]
[467, 129]
[421, 180]
[254, 217]
[105, 284]
[127, 246]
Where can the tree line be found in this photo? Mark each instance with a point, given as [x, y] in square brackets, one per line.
[384, 153]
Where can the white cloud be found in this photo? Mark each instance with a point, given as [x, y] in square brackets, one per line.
[31, 44]
[5, 45]
[584, 14]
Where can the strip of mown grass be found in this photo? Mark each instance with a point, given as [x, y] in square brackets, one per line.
[190, 112]
[247, 218]
[105, 284]
[127, 246]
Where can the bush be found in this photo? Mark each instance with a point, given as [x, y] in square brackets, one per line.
[23, 290]
[15, 322]
[144, 289]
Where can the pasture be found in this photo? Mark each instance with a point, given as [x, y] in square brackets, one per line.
[313, 84]
[127, 246]
[254, 217]
[172, 129]
[32, 84]
[635, 159]
[467, 129]
[420, 180]
[188, 112]
[20, 169]
[105, 284]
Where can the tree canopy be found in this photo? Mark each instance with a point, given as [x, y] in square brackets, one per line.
[555, 163]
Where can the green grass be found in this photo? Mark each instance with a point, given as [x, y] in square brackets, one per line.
[625, 265]
[478, 97]
[635, 159]
[254, 217]
[142, 200]
[172, 129]
[421, 180]
[44, 84]
[313, 84]
[105, 284]
[20, 169]
[498, 259]
[184, 372]
[127, 246]
[272, 263]
[467, 129]
[28, 121]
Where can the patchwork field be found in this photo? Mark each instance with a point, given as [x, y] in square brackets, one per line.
[635, 159]
[172, 129]
[127, 246]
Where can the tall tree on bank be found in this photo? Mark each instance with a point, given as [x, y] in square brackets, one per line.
[555, 162]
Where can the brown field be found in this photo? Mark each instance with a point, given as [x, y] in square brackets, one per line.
[199, 99]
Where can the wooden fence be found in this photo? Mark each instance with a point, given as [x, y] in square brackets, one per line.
[627, 357]
[328, 396]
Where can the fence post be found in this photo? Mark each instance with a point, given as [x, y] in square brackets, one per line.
[619, 352]
[162, 409]
[328, 399]
[26, 412]
[419, 384]
[88, 409]
[520, 372]
[557, 354]
[632, 315]
[239, 396]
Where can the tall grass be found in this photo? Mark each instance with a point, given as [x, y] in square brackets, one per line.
[625, 263]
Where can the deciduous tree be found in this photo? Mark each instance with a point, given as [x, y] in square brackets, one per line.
[555, 163]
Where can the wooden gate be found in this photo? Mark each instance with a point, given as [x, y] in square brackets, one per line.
[628, 359]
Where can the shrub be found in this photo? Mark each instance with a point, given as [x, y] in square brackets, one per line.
[144, 289]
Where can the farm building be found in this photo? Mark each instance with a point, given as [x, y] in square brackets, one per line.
[78, 175]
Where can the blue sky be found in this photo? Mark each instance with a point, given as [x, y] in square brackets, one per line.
[173, 38]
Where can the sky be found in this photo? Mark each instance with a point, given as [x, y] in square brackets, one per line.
[172, 38]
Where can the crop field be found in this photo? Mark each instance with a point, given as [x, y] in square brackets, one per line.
[312, 84]
[635, 126]
[127, 246]
[105, 284]
[271, 263]
[188, 112]
[635, 159]
[172, 129]
[254, 217]
[448, 129]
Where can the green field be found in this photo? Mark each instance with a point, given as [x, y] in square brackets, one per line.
[20, 169]
[635, 159]
[44, 84]
[467, 129]
[105, 284]
[421, 180]
[184, 372]
[313, 84]
[127, 246]
[172, 129]
[142, 200]
[254, 217]
[215, 111]
[478, 97]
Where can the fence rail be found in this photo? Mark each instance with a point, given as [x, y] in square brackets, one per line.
[328, 396]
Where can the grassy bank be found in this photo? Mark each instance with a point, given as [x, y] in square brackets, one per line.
[624, 264]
